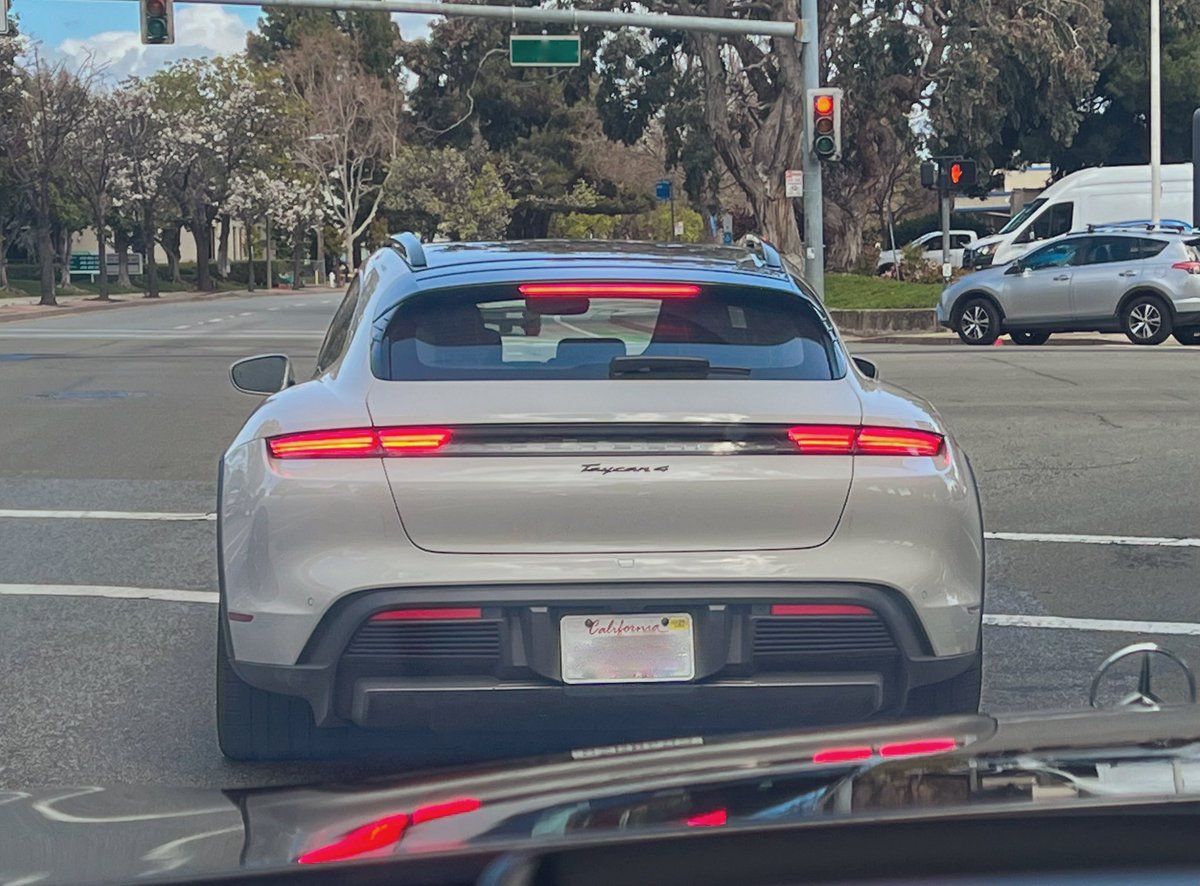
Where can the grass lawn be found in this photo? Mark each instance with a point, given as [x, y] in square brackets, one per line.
[856, 291]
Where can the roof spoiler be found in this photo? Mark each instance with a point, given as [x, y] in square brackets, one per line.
[409, 245]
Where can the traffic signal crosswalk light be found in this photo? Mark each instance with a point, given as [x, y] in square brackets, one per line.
[825, 124]
[158, 22]
[962, 174]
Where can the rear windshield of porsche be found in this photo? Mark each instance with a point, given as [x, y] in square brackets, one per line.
[607, 331]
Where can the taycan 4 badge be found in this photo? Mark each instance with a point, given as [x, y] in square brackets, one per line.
[624, 469]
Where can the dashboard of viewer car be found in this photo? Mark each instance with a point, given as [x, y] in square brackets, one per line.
[1150, 844]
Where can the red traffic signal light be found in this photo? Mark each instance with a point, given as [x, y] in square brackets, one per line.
[962, 174]
[825, 127]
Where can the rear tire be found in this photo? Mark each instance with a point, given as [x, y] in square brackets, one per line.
[958, 695]
[1029, 338]
[1187, 336]
[253, 724]
[1146, 320]
[977, 322]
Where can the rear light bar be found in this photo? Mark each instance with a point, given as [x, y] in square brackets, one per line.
[856, 440]
[609, 290]
[358, 442]
[915, 748]
[1192, 267]
[818, 609]
[427, 615]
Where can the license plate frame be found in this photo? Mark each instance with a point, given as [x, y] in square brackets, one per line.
[641, 648]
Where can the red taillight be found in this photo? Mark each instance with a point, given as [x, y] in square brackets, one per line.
[852, 440]
[370, 837]
[842, 755]
[609, 290]
[358, 442]
[918, 747]
[824, 439]
[897, 441]
[342, 443]
[713, 819]
[427, 614]
[820, 609]
[385, 832]
[1192, 267]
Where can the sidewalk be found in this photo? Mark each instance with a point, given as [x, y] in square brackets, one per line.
[26, 307]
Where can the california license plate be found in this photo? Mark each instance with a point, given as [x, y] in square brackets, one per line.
[627, 648]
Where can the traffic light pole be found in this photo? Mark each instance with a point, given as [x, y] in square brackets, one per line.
[944, 194]
[814, 204]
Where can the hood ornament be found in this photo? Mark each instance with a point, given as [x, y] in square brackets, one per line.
[1143, 696]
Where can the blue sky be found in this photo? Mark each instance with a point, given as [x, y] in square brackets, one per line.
[107, 31]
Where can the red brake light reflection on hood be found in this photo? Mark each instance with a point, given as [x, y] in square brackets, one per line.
[385, 832]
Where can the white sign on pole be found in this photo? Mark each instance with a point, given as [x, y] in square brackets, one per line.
[793, 183]
[678, 229]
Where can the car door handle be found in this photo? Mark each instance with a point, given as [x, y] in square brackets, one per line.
[1127, 274]
[1063, 277]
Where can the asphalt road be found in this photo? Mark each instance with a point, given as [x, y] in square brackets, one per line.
[128, 411]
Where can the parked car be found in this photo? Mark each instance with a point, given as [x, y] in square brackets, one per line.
[931, 250]
[1087, 197]
[1143, 283]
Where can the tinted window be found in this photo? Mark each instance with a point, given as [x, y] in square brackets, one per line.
[1145, 248]
[1019, 219]
[959, 241]
[742, 333]
[1105, 250]
[1056, 255]
[339, 329]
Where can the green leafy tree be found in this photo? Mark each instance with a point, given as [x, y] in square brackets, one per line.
[450, 193]
[374, 37]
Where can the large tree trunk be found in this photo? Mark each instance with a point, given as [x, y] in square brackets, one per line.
[64, 258]
[148, 230]
[102, 249]
[122, 239]
[299, 247]
[45, 248]
[170, 244]
[223, 265]
[3, 262]
[201, 229]
[844, 235]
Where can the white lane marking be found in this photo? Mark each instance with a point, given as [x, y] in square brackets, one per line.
[246, 314]
[276, 308]
[1069, 538]
[164, 516]
[169, 595]
[562, 322]
[1092, 624]
[184, 326]
[213, 320]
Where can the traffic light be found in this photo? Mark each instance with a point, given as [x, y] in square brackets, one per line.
[961, 174]
[158, 22]
[825, 127]
[3, 17]
[929, 174]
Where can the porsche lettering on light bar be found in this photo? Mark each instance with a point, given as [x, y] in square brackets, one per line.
[609, 290]
[854, 440]
[358, 442]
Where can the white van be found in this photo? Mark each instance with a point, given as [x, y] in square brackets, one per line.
[1104, 195]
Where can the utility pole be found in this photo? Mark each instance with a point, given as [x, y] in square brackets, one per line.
[814, 203]
[1196, 168]
[1156, 112]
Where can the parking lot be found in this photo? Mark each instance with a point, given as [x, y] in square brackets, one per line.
[114, 421]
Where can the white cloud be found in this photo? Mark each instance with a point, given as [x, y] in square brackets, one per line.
[200, 31]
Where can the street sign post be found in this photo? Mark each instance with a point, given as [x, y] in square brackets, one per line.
[85, 263]
[544, 51]
[793, 183]
[662, 190]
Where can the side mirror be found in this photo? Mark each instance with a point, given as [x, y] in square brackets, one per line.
[866, 367]
[263, 375]
[1015, 268]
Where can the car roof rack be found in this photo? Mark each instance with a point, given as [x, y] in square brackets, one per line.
[1168, 226]
[409, 245]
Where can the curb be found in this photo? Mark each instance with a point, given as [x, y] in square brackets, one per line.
[88, 304]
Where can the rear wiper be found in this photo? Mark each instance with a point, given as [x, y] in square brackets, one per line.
[668, 367]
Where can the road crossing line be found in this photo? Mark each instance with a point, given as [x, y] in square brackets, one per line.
[168, 595]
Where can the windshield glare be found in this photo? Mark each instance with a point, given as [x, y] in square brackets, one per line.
[1019, 219]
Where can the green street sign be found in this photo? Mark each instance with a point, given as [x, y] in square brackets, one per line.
[544, 51]
[85, 263]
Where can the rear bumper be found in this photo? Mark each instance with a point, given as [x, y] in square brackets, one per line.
[827, 672]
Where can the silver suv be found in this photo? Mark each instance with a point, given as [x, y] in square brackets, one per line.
[1145, 283]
